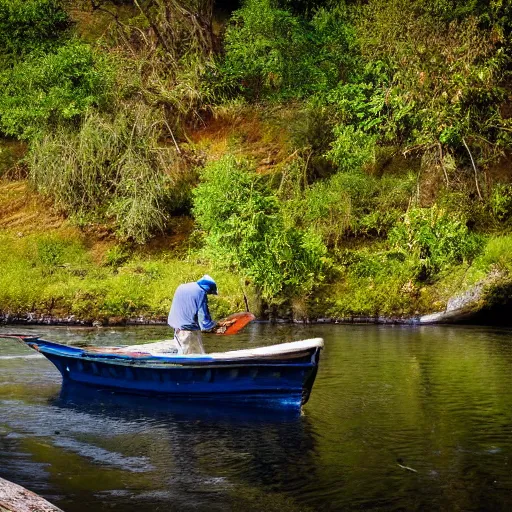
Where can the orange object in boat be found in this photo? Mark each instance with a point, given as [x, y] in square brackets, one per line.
[233, 323]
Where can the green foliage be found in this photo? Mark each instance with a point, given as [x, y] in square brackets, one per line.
[361, 102]
[500, 202]
[271, 51]
[52, 274]
[44, 91]
[112, 169]
[460, 204]
[436, 238]
[496, 255]
[351, 149]
[312, 128]
[246, 231]
[423, 76]
[27, 26]
[116, 256]
[351, 204]
[376, 285]
[50, 252]
[489, 13]
[443, 77]
[304, 6]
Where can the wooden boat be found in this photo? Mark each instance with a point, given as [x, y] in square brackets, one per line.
[279, 374]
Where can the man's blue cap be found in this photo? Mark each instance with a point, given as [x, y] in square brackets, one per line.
[208, 284]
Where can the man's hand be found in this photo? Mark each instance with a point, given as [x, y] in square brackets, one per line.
[222, 326]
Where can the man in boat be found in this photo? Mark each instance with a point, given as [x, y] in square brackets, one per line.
[189, 315]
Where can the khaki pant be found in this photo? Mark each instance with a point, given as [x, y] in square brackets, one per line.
[190, 342]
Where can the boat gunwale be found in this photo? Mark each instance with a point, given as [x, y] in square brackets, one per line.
[239, 358]
[165, 363]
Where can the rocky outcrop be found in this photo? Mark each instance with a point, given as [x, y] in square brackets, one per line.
[483, 303]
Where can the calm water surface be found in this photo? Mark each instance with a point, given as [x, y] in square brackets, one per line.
[400, 418]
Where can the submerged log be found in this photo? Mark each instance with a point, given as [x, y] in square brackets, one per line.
[14, 498]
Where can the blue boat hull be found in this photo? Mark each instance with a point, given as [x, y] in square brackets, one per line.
[253, 383]
[283, 379]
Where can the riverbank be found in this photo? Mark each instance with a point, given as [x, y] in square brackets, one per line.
[306, 191]
[486, 303]
[54, 273]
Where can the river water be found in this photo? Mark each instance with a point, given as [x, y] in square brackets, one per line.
[400, 418]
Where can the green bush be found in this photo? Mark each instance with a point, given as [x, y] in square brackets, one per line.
[351, 149]
[271, 51]
[311, 127]
[30, 25]
[45, 91]
[500, 202]
[375, 281]
[245, 230]
[112, 170]
[463, 205]
[361, 101]
[435, 238]
[352, 204]
[443, 74]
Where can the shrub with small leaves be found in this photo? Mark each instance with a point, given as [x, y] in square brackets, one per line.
[435, 238]
[351, 149]
[246, 231]
[501, 201]
[30, 25]
[271, 51]
[45, 91]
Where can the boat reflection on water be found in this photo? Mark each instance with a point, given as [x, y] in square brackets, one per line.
[205, 456]
[110, 402]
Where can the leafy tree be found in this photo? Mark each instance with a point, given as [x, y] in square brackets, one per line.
[270, 51]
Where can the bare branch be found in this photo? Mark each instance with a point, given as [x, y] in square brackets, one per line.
[474, 168]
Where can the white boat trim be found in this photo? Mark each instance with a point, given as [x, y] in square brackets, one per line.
[272, 350]
[163, 349]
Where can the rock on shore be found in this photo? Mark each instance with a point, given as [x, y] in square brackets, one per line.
[14, 498]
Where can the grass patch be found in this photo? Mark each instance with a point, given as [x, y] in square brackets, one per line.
[54, 275]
